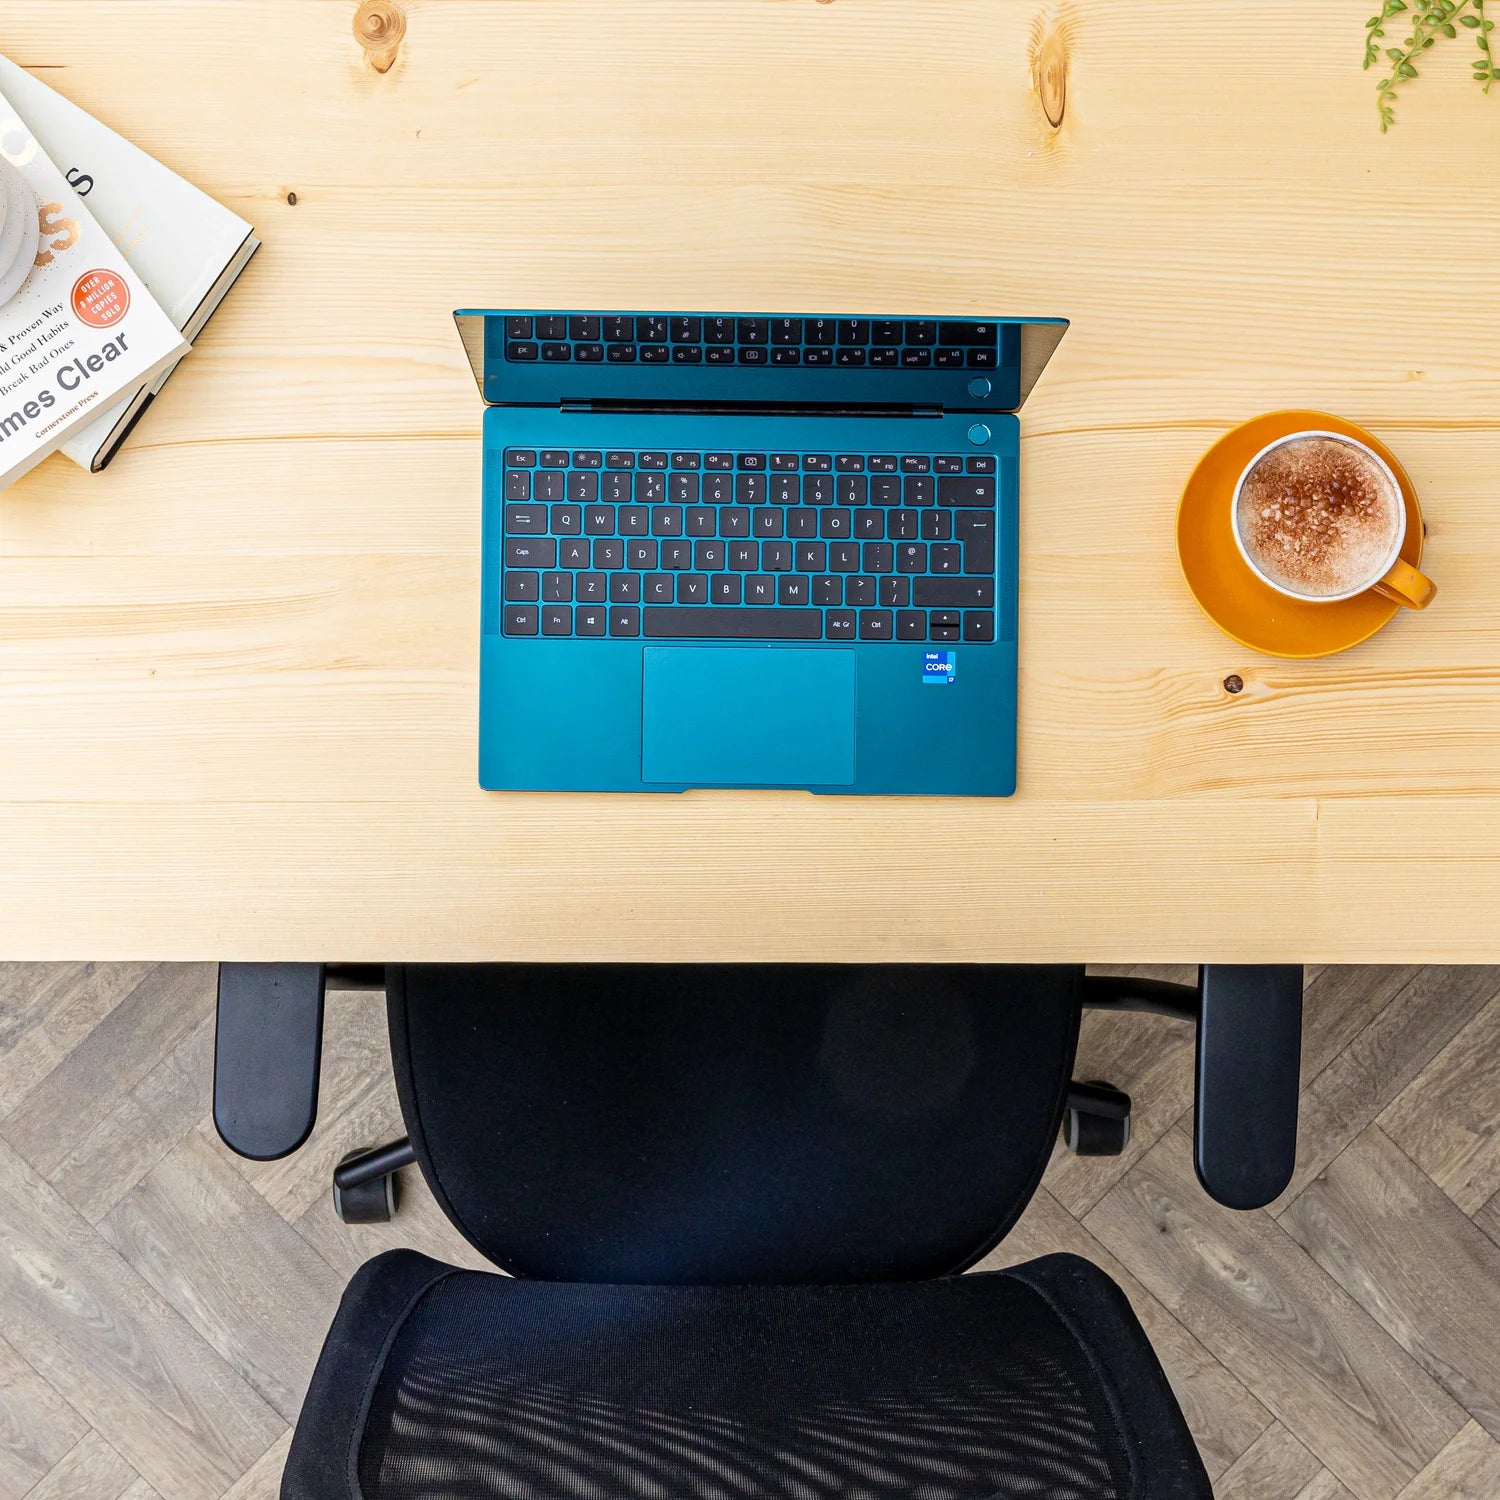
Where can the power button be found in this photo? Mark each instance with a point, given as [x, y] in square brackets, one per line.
[979, 434]
[980, 387]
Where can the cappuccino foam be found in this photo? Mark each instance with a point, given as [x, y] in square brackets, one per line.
[1318, 517]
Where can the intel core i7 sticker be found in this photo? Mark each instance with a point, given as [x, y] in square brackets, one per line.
[939, 668]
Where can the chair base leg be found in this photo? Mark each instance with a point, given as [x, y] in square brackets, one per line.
[1097, 1120]
[365, 1184]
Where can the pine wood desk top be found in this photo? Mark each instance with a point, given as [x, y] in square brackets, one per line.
[237, 671]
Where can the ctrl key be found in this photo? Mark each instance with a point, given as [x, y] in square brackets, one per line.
[519, 619]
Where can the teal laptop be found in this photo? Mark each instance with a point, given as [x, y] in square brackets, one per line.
[749, 550]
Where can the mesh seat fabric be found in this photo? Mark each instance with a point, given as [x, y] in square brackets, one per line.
[438, 1384]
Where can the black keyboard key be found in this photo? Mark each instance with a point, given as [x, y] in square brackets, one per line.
[583, 327]
[708, 557]
[786, 489]
[785, 463]
[752, 355]
[869, 525]
[966, 490]
[979, 625]
[666, 520]
[718, 489]
[573, 554]
[981, 359]
[916, 359]
[854, 330]
[624, 588]
[895, 593]
[655, 354]
[817, 356]
[653, 458]
[625, 621]
[718, 461]
[650, 489]
[633, 520]
[658, 588]
[755, 461]
[885, 489]
[983, 464]
[685, 460]
[522, 588]
[520, 619]
[687, 330]
[878, 557]
[734, 520]
[683, 489]
[976, 530]
[583, 488]
[812, 557]
[942, 633]
[853, 489]
[526, 353]
[820, 331]
[619, 330]
[557, 354]
[726, 589]
[885, 359]
[792, 590]
[921, 333]
[531, 552]
[768, 521]
[842, 624]
[859, 593]
[876, 625]
[801, 523]
[786, 356]
[518, 328]
[651, 331]
[616, 488]
[948, 359]
[786, 330]
[828, 592]
[557, 588]
[713, 624]
[590, 621]
[524, 458]
[744, 557]
[835, 524]
[750, 489]
[760, 589]
[817, 489]
[622, 354]
[518, 484]
[718, 330]
[687, 354]
[948, 463]
[641, 555]
[702, 520]
[557, 619]
[945, 557]
[903, 525]
[967, 333]
[552, 327]
[677, 555]
[911, 625]
[692, 588]
[944, 617]
[588, 458]
[554, 458]
[888, 331]
[850, 358]
[609, 552]
[618, 458]
[916, 463]
[755, 330]
[911, 557]
[599, 520]
[776, 557]
[937, 526]
[953, 593]
[525, 520]
[591, 588]
[549, 485]
[843, 557]
[883, 463]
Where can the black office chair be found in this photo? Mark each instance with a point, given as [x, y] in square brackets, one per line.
[724, 1186]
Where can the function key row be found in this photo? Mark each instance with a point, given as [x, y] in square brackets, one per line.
[783, 463]
[783, 332]
[881, 357]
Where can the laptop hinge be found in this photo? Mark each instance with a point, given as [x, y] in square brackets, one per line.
[744, 409]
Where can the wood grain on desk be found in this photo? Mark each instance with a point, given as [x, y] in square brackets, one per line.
[237, 671]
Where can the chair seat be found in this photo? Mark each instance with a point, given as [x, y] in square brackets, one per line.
[440, 1384]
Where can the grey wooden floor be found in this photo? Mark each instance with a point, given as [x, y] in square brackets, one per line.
[162, 1303]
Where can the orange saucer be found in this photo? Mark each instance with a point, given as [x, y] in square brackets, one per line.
[1230, 594]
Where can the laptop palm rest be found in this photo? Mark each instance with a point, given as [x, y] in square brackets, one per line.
[748, 716]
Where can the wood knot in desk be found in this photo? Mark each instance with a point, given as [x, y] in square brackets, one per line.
[1051, 45]
[379, 26]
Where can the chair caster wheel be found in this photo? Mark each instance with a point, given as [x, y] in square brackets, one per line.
[1097, 1122]
[372, 1202]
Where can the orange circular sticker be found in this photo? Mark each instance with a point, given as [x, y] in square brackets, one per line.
[101, 298]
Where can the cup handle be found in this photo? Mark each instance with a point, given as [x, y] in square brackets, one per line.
[1407, 586]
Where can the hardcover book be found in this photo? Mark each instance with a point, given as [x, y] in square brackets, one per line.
[78, 328]
[187, 248]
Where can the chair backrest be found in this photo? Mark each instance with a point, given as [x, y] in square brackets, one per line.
[733, 1124]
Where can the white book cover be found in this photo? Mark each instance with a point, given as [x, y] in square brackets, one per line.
[187, 247]
[78, 329]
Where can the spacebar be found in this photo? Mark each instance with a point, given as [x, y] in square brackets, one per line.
[735, 624]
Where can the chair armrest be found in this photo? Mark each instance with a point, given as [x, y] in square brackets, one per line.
[267, 1049]
[1248, 1066]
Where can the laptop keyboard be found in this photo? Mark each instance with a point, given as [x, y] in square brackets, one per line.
[670, 338]
[749, 546]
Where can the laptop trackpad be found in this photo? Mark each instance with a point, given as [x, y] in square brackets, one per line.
[757, 716]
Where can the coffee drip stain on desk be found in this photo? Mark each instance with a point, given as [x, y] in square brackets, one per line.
[379, 27]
